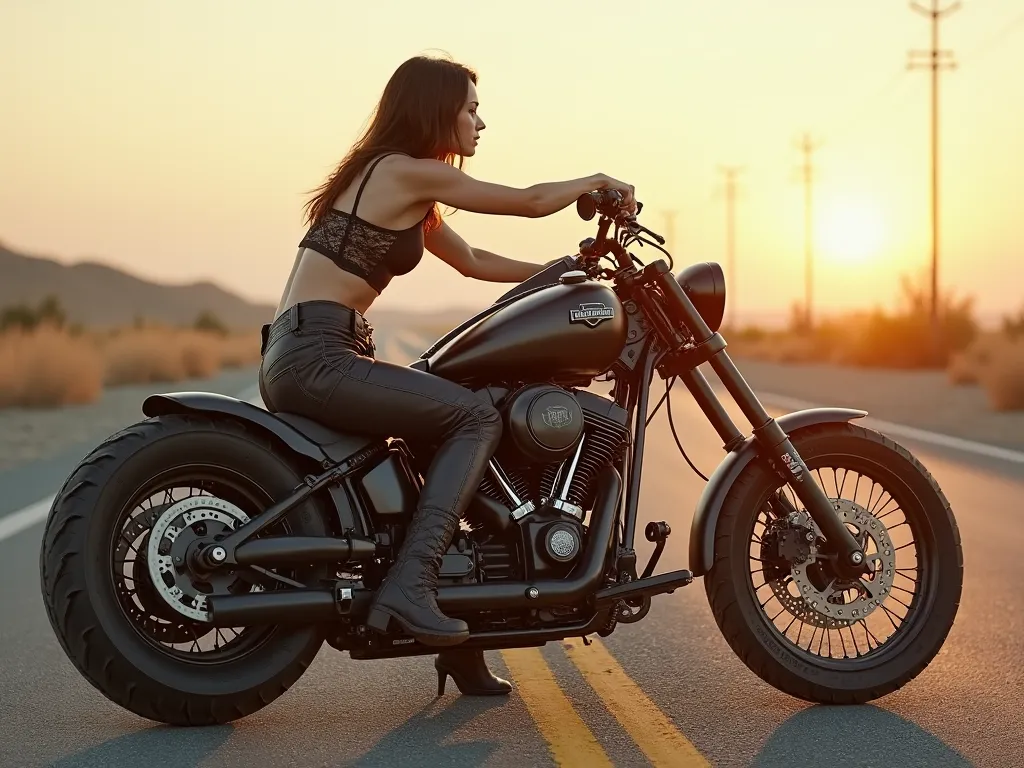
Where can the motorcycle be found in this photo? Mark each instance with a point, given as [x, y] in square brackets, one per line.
[194, 563]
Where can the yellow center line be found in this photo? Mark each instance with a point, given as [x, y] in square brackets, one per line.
[648, 726]
[570, 741]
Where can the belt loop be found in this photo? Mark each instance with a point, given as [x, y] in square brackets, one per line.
[264, 338]
[293, 317]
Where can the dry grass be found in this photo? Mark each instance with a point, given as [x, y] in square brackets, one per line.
[48, 367]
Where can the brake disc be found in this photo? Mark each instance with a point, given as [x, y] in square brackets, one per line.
[165, 554]
[831, 600]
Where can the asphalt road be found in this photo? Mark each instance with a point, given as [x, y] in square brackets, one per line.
[666, 691]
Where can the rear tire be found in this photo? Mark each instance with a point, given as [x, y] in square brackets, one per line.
[773, 656]
[82, 601]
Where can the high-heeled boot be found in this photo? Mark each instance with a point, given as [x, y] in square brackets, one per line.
[409, 592]
[468, 669]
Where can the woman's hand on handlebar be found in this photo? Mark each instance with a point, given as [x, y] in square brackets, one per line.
[627, 191]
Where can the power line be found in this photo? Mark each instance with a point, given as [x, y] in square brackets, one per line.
[731, 172]
[990, 43]
[807, 147]
[935, 59]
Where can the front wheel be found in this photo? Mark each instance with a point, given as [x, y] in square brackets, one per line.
[129, 611]
[780, 603]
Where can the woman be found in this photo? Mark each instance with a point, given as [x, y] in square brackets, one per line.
[318, 355]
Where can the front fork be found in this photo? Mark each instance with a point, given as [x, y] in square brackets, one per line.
[710, 347]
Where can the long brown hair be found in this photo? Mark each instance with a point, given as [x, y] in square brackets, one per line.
[416, 115]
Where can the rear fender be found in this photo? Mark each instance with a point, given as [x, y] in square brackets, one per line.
[315, 443]
[705, 517]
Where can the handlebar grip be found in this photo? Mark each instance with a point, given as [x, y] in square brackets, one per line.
[589, 203]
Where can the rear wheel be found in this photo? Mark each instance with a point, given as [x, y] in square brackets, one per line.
[778, 599]
[129, 612]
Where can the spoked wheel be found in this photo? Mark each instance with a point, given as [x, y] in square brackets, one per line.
[159, 588]
[125, 594]
[779, 600]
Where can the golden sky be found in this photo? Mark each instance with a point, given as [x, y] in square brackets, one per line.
[177, 140]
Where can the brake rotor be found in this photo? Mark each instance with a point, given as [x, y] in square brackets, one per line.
[823, 593]
[173, 532]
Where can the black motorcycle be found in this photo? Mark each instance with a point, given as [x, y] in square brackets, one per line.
[194, 563]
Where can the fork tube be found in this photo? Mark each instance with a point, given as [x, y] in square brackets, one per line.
[712, 407]
[770, 436]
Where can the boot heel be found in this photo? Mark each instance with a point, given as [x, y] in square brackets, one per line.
[442, 678]
[378, 620]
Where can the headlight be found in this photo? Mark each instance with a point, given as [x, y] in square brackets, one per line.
[705, 285]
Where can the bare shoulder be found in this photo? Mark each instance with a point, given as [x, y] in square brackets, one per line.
[421, 169]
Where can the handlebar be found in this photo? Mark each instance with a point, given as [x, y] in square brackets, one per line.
[607, 202]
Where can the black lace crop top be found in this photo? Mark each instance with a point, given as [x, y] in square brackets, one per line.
[364, 249]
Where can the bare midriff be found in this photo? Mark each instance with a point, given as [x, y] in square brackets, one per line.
[318, 279]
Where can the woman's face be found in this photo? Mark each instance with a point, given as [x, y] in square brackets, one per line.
[468, 124]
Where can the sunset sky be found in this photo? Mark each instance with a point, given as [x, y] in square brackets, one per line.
[177, 140]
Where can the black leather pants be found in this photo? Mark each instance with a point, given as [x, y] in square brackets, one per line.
[318, 362]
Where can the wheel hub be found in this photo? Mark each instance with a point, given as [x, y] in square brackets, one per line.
[177, 534]
[825, 593]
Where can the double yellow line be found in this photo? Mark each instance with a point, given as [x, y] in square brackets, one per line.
[569, 739]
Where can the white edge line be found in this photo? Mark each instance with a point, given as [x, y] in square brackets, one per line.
[913, 433]
[16, 522]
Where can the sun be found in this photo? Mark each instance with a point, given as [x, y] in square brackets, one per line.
[851, 232]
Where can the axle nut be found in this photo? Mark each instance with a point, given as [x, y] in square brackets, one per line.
[533, 593]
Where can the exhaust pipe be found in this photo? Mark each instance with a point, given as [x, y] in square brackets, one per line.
[313, 605]
[280, 550]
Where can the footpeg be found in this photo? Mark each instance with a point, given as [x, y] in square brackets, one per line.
[657, 532]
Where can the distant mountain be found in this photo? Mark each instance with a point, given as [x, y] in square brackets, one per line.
[96, 295]
[99, 296]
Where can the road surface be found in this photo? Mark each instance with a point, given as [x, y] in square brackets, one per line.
[666, 691]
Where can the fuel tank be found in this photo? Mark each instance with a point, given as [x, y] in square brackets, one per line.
[563, 333]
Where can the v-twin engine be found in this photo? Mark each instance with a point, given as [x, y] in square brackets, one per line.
[527, 520]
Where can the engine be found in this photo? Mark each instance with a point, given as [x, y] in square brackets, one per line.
[527, 519]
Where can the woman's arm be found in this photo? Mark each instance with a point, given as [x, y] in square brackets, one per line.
[447, 245]
[435, 181]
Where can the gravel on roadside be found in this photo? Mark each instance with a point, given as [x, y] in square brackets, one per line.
[921, 399]
[28, 435]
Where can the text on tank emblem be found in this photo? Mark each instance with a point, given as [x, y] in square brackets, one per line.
[591, 314]
[556, 416]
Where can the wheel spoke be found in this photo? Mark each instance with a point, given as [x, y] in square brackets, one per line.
[857, 495]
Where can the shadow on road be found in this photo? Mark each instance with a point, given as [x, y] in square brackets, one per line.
[853, 737]
[162, 746]
[421, 740]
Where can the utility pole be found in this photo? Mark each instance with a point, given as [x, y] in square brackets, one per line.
[730, 173]
[935, 59]
[807, 146]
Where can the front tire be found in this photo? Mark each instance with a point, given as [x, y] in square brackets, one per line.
[115, 628]
[748, 531]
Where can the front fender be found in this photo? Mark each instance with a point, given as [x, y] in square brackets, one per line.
[709, 507]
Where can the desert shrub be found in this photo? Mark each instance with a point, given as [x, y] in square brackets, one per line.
[1003, 377]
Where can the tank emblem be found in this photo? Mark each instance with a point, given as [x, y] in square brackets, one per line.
[591, 314]
[557, 416]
